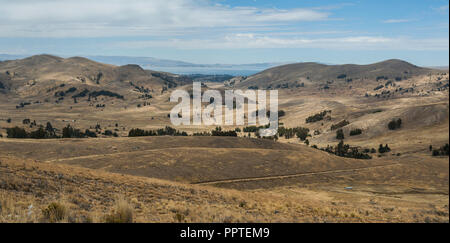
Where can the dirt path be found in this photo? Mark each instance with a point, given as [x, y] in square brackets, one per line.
[290, 176]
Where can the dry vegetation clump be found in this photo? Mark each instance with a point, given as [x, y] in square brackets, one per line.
[55, 212]
[122, 212]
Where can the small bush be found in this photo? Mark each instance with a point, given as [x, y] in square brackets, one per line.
[395, 124]
[442, 151]
[55, 212]
[122, 213]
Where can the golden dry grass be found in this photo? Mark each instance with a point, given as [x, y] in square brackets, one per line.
[90, 196]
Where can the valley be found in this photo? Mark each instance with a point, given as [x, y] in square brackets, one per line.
[220, 178]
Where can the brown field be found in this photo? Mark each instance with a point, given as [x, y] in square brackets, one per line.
[224, 179]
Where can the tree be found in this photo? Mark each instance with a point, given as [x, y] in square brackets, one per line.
[355, 132]
[49, 128]
[340, 134]
[70, 132]
[16, 132]
[384, 149]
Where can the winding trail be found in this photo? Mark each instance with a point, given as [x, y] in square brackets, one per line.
[289, 176]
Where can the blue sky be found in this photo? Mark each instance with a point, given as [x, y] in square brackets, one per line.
[231, 31]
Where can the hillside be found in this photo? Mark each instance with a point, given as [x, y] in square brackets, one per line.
[40, 77]
[309, 74]
[77, 174]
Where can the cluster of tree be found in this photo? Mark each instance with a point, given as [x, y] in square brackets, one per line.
[382, 77]
[345, 150]
[301, 132]
[254, 129]
[355, 132]
[201, 134]
[22, 104]
[317, 117]
[167, 131]
[395, 124]
[145, 96]
[384, 149]
[140, 89]
[110, 133]
[342, 76]
[219, 133]
[82, 94]
[71, 132]
[378, 87]
[63, 93]
[48, 132]
[339, 125]
[442, 151]
[105, 93]
[40, 133]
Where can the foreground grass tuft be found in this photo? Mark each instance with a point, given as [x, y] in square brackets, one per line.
[122, 213]
[55, 212]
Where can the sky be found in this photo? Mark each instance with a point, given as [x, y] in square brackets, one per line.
[231, 31]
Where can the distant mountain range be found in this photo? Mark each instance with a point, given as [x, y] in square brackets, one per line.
[173, 66]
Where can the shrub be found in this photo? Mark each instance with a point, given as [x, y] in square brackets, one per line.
[122, 213]
[442, 151]
[55, 212]
[355, 132]
[395, 124]
[340, 134]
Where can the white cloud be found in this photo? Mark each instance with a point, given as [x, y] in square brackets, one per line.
[88, 18]
[394, 21]
[442, 9]
[250, 40]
